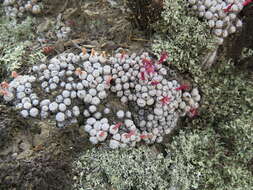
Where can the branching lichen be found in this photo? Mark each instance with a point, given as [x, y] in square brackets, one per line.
[122, 169]
[184, 37]
[217, 157]
[196, 159]
[188, 40]
[14, 41]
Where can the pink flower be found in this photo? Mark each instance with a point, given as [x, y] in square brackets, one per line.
[146, 61]
[48, 49]
[165, 100]
[246, 2]
[163, 57]
[108, 81]
[102, 133]
[182, 87]
[123, 53]
[4, 85]
[142, 76]
[148, 65]
[193, 112]
[155, 82]
[150, 69]
[117, 125]
[128, 135]
[146, 136]
[4, 92]
[14, 74]
[227, 9]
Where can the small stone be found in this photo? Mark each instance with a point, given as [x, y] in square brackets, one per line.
[92, 108]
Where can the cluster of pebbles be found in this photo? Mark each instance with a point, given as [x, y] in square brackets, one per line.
[122, 100]
[222, 15]
[17, 8]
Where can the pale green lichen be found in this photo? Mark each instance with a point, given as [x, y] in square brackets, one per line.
[187, 41]
[139, 168]
[210, 158]
[219, 155]
[15, 38]
[219, 148]
[196, 159]
[184, 37]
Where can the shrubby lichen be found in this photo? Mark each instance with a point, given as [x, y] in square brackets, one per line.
[226, 91]
[218, 148]
[14, 40]
[184, 37]
[189, 153]
[218, 159]
[139, 168]
[196, 159]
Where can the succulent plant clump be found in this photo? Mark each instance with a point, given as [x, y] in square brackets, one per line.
[87, 86]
